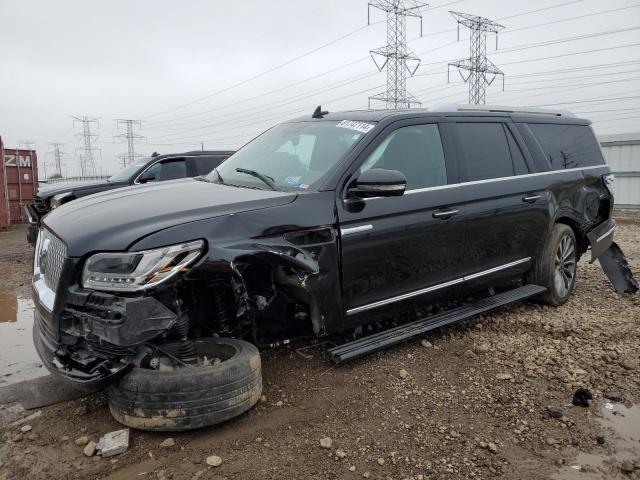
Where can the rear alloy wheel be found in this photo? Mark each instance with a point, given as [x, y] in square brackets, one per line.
[555, 267]
[226, 383]
[565, 266]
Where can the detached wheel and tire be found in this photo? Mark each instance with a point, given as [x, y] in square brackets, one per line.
[191, 397]
[555, 268]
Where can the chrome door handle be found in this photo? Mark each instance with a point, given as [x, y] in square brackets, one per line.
[445, 214]
[531, 198]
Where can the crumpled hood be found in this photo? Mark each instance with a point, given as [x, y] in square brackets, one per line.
[48, 191]
[115, 219]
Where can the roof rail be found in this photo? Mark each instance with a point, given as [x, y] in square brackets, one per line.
[452, 107]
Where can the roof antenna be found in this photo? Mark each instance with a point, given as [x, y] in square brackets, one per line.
[318, 112]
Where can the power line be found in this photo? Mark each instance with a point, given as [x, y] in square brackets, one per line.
[313, 77]
[594, 100]
[263, 73]
[527, 27]
[567, 39]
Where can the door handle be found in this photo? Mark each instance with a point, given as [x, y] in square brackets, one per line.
[443, 215]
[531, 198]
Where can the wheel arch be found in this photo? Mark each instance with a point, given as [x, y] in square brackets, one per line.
[581, 238]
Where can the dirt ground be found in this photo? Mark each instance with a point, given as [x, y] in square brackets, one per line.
[474, 403]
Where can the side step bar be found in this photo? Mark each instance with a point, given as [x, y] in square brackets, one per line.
[402, 333]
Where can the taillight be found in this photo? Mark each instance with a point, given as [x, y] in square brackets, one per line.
[609, 182]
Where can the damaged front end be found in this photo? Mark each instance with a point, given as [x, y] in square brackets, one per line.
[136, 319]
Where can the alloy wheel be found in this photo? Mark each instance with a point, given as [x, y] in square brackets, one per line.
[565, 265]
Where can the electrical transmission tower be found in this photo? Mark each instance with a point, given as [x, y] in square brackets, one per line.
[27, 144]
[399, 60]
[57, 157]
[87, 163]
[131, 139]
[482, 71]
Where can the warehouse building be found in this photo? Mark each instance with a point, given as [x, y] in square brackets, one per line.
[622, 152]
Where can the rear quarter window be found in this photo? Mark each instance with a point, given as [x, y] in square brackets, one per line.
[568, 146]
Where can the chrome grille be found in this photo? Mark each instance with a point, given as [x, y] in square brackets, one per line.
[50, 258]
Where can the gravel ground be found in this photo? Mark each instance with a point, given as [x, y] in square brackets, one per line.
[469, 401]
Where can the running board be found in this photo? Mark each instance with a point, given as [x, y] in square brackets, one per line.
[402, 333]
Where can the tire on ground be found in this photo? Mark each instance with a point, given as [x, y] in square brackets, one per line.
[188, 398]
[543, 270]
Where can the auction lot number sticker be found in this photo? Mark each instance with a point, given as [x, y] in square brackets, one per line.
[357, 126]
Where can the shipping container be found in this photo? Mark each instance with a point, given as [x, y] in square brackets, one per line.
[19, 182]
[4, 199]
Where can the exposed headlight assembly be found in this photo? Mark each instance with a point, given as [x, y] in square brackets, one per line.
[59, 199]
[134, 271]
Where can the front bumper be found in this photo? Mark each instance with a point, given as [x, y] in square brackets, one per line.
[88, 337]
[58, 366]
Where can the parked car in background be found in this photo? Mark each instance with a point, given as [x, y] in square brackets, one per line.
[331, 224]
[148, 170]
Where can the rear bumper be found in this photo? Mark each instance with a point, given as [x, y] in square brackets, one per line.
[601, 238]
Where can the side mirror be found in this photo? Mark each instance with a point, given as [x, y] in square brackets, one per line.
[379, 182]
[146, 177]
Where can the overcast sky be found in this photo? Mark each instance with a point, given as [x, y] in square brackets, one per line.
[194, 71]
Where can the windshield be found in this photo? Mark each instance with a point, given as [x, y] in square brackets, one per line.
[125, 174]
[292, 156]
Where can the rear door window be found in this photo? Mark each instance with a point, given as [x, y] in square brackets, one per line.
[568, 146]
[486, 150]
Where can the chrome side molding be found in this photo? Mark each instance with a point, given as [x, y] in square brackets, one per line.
[433, 288]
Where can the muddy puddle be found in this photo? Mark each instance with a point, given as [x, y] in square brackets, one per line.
[18, 358]
[615, 460]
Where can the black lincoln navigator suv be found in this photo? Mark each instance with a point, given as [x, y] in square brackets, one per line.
[327, 224]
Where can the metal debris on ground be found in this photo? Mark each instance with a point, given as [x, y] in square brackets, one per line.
[114, 443]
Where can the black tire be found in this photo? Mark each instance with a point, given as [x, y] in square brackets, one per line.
[557, 274]
[188, 398]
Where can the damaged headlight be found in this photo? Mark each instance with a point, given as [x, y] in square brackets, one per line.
[133, 271]
[59, 199]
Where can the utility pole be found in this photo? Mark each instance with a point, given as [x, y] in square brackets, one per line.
[482, 71]
[398, 59]
[87, 163]
[57, 157]
[131, 139]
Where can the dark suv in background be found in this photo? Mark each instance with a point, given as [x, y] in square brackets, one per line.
[333, 224]
[157, 168]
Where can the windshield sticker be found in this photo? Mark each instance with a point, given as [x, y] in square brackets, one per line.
[294, 181]
[353, 125]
